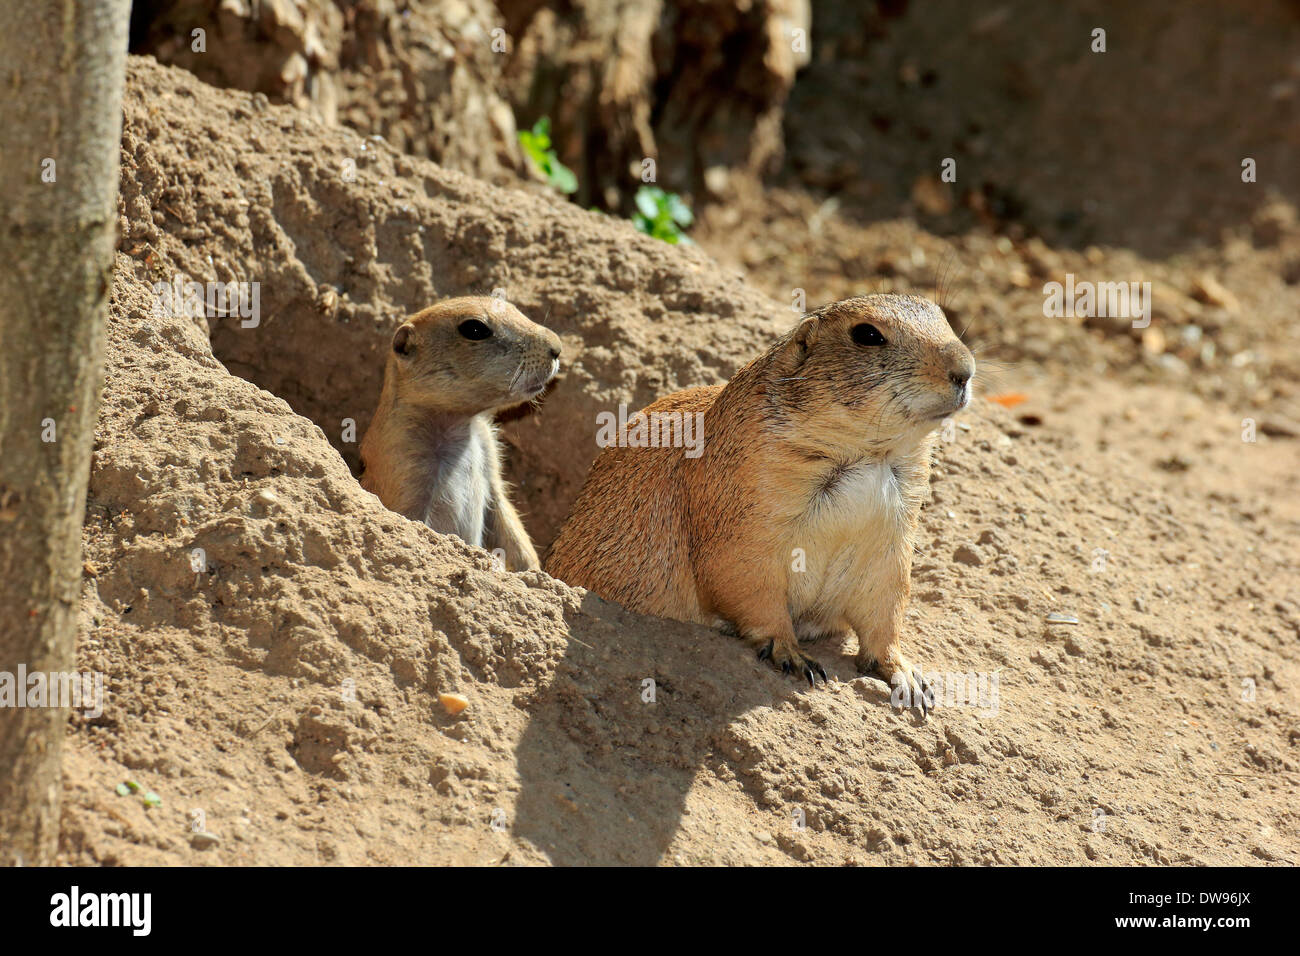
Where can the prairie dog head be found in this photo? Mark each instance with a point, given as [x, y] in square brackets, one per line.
[470, 355]
[874, 372]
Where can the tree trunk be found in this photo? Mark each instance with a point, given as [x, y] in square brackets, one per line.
[63, 67]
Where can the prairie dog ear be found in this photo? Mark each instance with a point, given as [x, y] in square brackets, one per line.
[402, 344]
[806, 334]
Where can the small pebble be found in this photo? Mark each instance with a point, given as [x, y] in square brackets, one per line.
[453, 703]
[202, 840]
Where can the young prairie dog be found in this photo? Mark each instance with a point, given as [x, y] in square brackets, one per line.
[798, 519]
[431, 451]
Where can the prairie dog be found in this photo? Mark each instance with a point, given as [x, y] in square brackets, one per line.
[799, 518]
[431, 451]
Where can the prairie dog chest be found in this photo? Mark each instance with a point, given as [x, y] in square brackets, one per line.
[461, 484]
[855, 525]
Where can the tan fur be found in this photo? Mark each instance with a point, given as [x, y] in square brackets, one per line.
[431, 452]
[819, 444]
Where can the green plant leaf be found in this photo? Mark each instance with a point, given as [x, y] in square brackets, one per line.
[536, 144]
[563, 179]
[662, 215]
[680, 212]
[647, 202]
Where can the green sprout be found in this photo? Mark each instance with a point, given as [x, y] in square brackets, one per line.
[537, 145]
[662, 215]
[149, 798]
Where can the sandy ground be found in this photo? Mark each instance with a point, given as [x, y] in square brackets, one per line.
[287, 693]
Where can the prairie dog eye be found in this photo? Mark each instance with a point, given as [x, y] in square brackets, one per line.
[866, 334]
[474, 330]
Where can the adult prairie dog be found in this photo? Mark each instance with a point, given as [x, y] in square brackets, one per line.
[798, 519]
[431, 450]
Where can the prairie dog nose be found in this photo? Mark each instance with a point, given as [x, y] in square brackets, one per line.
[961, 369]
[553, 343]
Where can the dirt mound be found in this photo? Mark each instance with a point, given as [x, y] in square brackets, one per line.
[357, 257]
[423, 75]
[281, 685]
